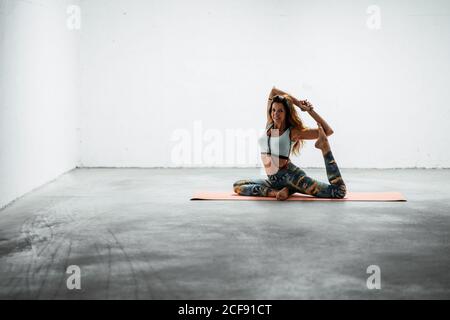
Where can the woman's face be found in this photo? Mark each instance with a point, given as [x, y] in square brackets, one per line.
[278, 113]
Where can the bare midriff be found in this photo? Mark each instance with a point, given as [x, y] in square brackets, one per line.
[272, 164]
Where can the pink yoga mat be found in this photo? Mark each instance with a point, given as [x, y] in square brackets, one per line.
[351, 196]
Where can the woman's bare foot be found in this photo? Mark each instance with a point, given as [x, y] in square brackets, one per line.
[322, 141]
[283, 194]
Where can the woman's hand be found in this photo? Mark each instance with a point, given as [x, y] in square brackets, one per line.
[305, 105]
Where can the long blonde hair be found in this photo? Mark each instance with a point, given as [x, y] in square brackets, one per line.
[292, 118]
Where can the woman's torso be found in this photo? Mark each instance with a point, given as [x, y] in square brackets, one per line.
[275, 149]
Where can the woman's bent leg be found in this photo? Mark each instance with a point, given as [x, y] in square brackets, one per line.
[300, 182]
[338, 186]
[253, 187]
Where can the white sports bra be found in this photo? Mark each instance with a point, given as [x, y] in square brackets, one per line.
[277, 146]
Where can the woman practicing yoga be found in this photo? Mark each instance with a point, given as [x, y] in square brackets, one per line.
[285, 131]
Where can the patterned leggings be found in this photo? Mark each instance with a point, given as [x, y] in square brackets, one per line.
[297, 181]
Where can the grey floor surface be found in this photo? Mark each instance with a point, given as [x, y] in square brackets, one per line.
[135, 235]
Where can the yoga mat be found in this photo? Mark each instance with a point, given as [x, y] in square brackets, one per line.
[351, 196]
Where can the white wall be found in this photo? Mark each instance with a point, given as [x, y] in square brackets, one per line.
[39, 95]
[174, 83]
[152, 67]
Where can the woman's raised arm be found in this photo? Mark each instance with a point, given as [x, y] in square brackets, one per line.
[278, 92]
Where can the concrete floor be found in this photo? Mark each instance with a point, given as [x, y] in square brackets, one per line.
[135, 234]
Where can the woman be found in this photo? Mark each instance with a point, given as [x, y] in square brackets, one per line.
[284, 133]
